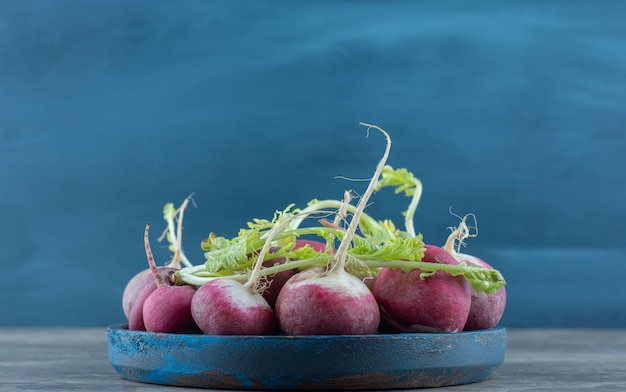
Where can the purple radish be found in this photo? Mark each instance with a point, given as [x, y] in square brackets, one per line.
[436, 303]
[168, 308]
[487, 309]
[331, 301]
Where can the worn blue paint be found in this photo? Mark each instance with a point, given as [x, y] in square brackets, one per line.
[382, 361]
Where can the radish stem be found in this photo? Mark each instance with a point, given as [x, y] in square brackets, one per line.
[482, 279]
[341, 215]
[179, 235]
[174, 219]
[318, 205]
[255, 274]
[158, 279]
[342, 250]
[410, 212]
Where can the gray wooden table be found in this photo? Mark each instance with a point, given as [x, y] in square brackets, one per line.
[52, 359]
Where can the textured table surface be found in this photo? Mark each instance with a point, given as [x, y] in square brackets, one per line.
[53, 359]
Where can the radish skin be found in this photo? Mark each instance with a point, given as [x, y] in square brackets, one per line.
[133, 290]
[168, 310]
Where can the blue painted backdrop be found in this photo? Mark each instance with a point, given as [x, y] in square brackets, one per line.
[109, 109]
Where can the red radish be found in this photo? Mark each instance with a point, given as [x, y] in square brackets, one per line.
[136, 292]
[487, 309]
[143, 283]
[133, 290]
[314, 302]
[410, 302]
[168, 307]
[331, 301]
[369, 281]
[227, 307]
[224, 306]
[275, 282]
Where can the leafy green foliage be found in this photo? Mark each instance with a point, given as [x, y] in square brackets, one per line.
[410, 249]
[378, 244]
[402, 179]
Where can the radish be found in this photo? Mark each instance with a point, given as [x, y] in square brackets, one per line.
[328, 295]
[143, 283]
[315, 302]
[224, 306]
[276, 282]
[136, 292]
[227, 307]
[331, 301]
[486, 309]
[167, 308]
[412, 302]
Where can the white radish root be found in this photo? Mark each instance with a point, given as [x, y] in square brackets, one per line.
[459, 234]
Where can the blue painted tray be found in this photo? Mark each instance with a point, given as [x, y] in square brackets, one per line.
[381, 361]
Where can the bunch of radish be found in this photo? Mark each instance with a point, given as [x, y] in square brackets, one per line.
[346, 274]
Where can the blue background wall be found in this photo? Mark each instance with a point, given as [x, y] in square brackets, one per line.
[110, 109]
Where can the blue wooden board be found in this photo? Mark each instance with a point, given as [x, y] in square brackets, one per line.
[381, 361]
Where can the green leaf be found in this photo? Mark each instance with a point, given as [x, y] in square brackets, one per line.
[403, 181]
[409, 249]
[485, 279]
[229, 256]
[169, 212]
